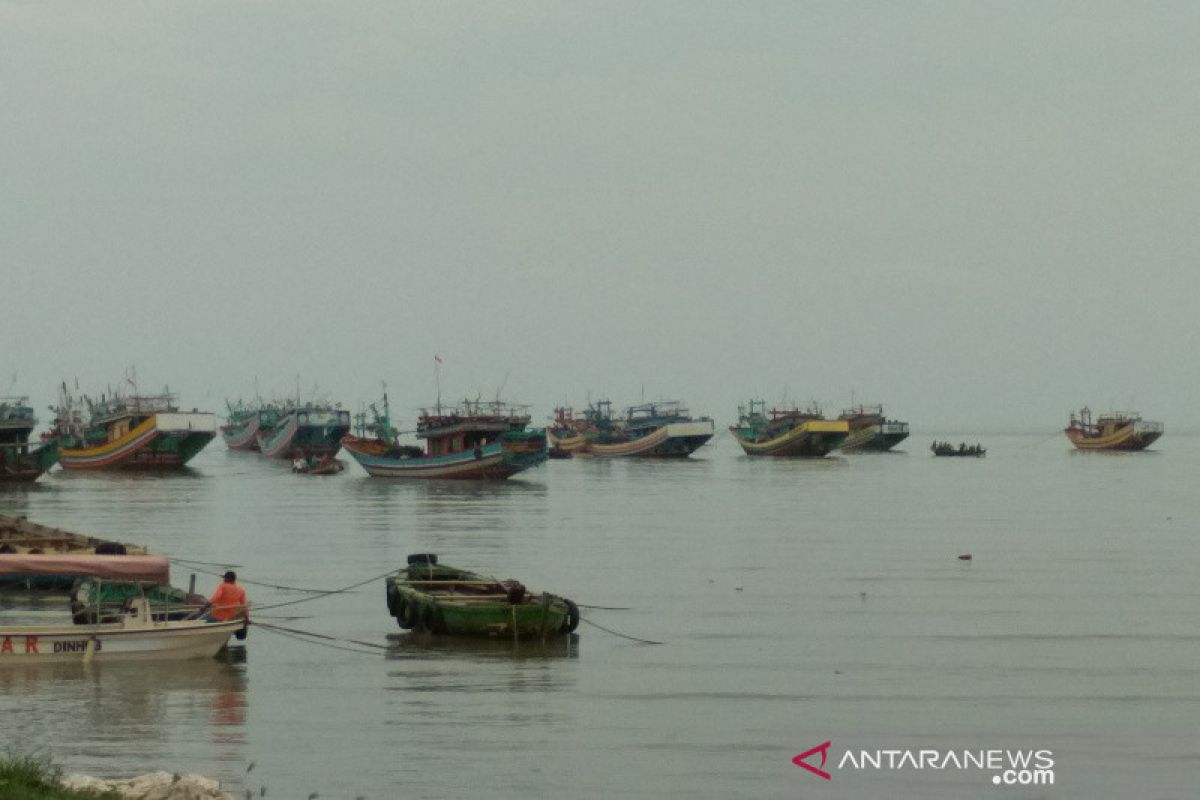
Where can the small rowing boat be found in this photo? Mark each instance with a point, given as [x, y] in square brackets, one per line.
[435, 598]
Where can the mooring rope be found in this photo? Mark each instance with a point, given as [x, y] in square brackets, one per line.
[617, 633]
[257, 583]
[285, 634]
[324, 593]
[315, 635]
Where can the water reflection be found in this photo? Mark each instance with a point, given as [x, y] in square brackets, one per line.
[116, 709]
[424, 646]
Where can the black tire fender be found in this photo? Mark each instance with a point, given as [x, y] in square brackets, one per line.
[571, 621]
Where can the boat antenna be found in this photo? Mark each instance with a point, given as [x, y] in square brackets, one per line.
[500, 388]
[437, 379]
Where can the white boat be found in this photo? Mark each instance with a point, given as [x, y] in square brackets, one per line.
[138, 634]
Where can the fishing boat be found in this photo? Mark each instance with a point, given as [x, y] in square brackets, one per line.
[787, 431]
[870, 430]
[240, 431]
[19, 463]
[1114, 431]
[662, 429]
[38, 557]
[567, 433]
[963, 449]
[138, 632]
[128, 432]
[430, 597]
[302, 431]
[475, 440]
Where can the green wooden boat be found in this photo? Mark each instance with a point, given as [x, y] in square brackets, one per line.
[430, 597]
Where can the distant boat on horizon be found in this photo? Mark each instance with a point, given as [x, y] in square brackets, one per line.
[871, 430]
[787, 431]
[19, 463]
[1113, 431]
[475, 440]
[661, 429]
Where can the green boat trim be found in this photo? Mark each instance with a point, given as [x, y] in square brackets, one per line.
[436, 598]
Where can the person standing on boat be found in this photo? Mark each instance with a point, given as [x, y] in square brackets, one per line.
[228, 601]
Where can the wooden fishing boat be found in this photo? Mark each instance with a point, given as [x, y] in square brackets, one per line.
[19, 463]
[662, 429]
[1114, 431]
[138, 633]
[240, 431]
[787, 431]
[436, 598]
[128, 432]
[473, 441]
[567, 434]
[870, 430]
[962, 450]
[38, 557]
[303, 431]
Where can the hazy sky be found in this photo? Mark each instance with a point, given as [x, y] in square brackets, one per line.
[980, 214]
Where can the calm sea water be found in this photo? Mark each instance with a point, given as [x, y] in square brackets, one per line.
[797, 602]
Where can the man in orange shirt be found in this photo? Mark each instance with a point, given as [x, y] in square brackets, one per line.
[229, 600]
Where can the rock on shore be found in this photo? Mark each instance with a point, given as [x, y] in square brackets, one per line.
[155, 786]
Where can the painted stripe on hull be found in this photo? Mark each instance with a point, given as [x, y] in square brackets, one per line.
[136, 449]
[799, 441]
[674, 440]
[571, 444]
[243, 436]
[277, 444]
[1125, 438]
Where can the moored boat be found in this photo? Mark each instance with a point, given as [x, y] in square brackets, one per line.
[303, 431]
[1114, 431]
[473, 441]
[128, 432]
[240, 431]
[430, 597]
[662, 429]
[963, 449]
[566, 435]
[787, 431]
[20, 463]
[871, 430]
[137, 633]
[38, 557]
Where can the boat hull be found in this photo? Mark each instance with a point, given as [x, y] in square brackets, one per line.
[164, 441]
[573, 443]
[28, 467]
[449, 607]
[1125, 438]
[673, 440]
[114, 642]
[875, 438]
[310, 433]
[241, 435]
[809, 439]
[493, 461]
